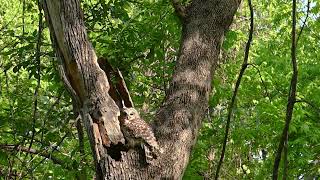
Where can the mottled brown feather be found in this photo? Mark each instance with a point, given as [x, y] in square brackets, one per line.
[138, 132]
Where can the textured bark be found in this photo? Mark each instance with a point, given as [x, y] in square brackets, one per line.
[83, 77]
[177, 121]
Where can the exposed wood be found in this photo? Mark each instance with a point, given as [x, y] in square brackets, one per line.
[123, 90]
[83, 76]
[118, 88]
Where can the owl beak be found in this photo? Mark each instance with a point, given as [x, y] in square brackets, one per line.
[123, 113]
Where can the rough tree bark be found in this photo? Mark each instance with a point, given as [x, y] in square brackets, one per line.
[177, 121]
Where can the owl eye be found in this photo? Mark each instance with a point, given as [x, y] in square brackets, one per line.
[131, 114]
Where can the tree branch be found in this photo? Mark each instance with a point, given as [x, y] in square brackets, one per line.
[57, 101]
[261, 79]
[305, 21]
[310, 104]
[290, 105]
[233, 100]
[36, 92]
[53, 150]
[11, 147]
[23, 16]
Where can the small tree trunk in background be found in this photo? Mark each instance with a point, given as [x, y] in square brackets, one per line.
[178, 120]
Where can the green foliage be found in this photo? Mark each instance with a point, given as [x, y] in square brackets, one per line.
[141, 38]
[260, 112]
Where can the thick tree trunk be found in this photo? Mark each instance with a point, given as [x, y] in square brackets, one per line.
[178, 120]
[83, 77]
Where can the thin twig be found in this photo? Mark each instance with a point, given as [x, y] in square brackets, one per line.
[57, 101]
[12, 147]
[8, 93]
[11, 20]
[36, 92]
[55, 148]
[290, 105]
[261, 79]
[315, 107]
[305, 21]
[233, 100]
[23, 16]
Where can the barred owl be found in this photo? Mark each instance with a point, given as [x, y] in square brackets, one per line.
[138, 133]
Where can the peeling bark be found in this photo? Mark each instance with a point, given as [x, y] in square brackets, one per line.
[177, 121]
[82, 76]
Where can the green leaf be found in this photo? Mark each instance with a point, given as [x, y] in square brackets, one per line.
[3, 158]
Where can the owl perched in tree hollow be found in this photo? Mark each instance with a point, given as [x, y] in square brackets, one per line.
[138, 133]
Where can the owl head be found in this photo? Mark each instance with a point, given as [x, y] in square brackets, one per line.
[130, 113]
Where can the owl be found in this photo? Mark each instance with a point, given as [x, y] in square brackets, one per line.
[138, 133]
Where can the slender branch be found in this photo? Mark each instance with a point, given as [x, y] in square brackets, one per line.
[13, 133]
[52, 151]
[233, 100]
[13, 44]
[157, 24]
[8, 92]
[261, 79]
[315, 107]
[136, 58]
[9, 22]
[305, 21]
[36, 92]
[11, 147]
[285, 157]
[291, 101]
[23, 16]
[57, 101]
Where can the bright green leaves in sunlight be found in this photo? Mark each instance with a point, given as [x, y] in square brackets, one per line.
[260, 109]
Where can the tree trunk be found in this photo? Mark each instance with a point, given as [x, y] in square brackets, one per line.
[177, 121]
